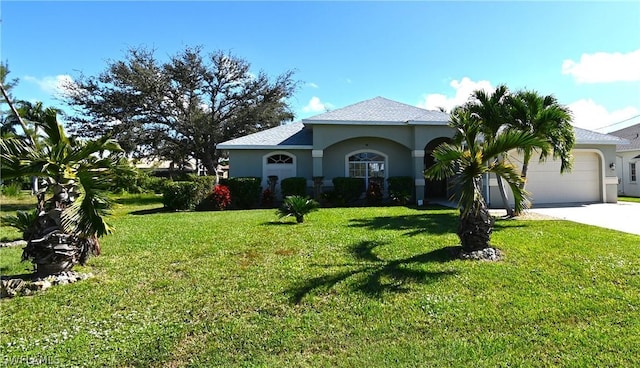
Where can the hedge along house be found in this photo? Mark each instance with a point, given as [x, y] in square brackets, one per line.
[380, 138]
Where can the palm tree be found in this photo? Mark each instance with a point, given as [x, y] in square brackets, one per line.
[544, 117]
[74, 172]
[298, 207]
[492, 109]
[466, 159]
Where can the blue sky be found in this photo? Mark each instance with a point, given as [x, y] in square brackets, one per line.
[427, 54]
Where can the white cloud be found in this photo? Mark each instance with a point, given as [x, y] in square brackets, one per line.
[463, 90]
[603, 67]
[315, 105]
[52, 85]
[312, 85]
[590, 115]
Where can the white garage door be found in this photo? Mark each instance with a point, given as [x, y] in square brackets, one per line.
[582, 184]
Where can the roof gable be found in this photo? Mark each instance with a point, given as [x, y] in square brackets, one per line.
[292, 136]
[381, 111]
[631, 134]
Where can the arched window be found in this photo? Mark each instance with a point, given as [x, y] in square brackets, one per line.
[367, 165]
[279, 159]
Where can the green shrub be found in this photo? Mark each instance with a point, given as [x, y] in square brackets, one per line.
[155, 184]
[184, 195]
[12, 190]
[22, 221]
[348, 189]
[245, 191]
[205, 183]
[401, 189]
[127, 178]
[296, 186]
[297, 207]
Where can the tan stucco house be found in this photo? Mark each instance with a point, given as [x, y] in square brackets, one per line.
[628, 161]
[384, 138]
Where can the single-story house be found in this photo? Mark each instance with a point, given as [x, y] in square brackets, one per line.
[628, 161]
[381, 138]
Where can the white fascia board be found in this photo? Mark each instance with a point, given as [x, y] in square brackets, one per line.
[261, 147]
[364, 122]
[607, 143]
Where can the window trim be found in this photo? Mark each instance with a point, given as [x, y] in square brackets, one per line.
[633, 172]
[385, 156]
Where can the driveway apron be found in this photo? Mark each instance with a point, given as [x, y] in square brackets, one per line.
[621, 216]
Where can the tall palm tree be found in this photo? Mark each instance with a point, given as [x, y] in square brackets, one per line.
[74, 173]
[544, 117]
[492, 109]
[466, 160]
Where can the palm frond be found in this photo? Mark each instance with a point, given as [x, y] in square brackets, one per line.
[446, 158]
[512, 177]
[86, 216]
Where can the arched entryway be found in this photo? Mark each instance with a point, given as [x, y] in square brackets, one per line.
[434, 188]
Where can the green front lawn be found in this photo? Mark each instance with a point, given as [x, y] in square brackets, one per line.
[629, 199]
[349, 287]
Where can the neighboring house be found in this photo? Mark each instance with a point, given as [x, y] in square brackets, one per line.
[628, 161]
[380, 138]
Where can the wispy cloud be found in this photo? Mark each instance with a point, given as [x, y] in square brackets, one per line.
[52, 85]
[603, 67]
[315, 105]
[462, 90]
[312, 85]
[590, 115]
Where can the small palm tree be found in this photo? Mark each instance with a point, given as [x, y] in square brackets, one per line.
[466, 160]
[298, 207]
[74, 173]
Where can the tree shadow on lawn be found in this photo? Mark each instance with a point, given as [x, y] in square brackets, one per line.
[433, 223]
[144, 200]
[151, 211]
[378, 276]
[11, 207]
[279, 223]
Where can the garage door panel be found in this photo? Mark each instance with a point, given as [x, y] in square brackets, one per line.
[582, 184]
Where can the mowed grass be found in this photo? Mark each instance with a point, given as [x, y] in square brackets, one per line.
[350, 287]
[629, 199]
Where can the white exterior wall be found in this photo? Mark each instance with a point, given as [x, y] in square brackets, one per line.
[625, 185]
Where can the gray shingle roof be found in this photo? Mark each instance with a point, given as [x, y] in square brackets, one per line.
[383, 111]
[293, 135]
[585, 136]
[632, 134]
[380, 110]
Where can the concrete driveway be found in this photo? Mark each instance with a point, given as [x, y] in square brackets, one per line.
[621, 216]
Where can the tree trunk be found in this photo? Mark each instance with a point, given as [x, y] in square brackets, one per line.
[505, 198]
[49, 248]
[475, 228]
[525, 168]
[210, 162]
